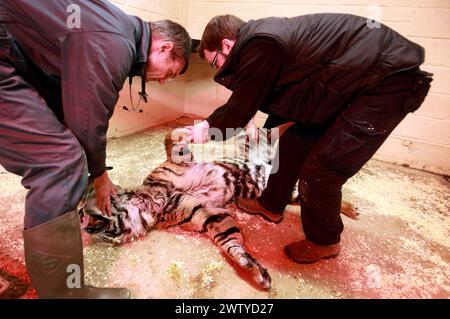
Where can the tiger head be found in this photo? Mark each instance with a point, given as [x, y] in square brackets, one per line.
[94, 222]
[128, 219]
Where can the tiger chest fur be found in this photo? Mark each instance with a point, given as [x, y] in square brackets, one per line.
[195, 196]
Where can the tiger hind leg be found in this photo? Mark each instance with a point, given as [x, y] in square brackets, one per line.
[225, 233]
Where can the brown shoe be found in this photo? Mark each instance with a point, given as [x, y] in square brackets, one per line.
[252, 206]
[306, 252]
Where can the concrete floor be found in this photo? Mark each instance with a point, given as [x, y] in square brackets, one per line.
[398, 248]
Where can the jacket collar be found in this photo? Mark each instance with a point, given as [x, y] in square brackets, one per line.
[142, 33]
[142, 37]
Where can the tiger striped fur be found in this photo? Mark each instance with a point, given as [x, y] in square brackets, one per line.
[181, 192]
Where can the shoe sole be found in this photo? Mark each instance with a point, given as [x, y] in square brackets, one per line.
[308, 261]
[262, 215]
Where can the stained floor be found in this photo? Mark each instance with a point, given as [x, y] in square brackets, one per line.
[399, 247]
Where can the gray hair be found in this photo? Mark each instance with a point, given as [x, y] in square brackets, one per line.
[168, 30]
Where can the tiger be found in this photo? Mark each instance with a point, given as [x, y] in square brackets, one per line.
[196, 196]
[193, 195]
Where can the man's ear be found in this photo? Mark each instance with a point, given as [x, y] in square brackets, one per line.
[166, 46]
[227, 45]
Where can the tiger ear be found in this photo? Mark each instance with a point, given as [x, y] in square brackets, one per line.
[177, 149]
[168, 146]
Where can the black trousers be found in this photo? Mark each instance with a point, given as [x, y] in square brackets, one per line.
[322, 159]
[35, 144]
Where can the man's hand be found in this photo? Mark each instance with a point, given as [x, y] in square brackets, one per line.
[198, 133]
[104, 189]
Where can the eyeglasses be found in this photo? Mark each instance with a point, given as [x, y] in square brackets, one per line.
[214, 61]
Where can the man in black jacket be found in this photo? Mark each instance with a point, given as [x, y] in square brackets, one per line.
[62, 65]
[344, 82]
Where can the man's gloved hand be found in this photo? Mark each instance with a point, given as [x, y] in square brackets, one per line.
[198, 133]
[104, 189]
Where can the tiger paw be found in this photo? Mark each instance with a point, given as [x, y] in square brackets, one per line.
[259, 274]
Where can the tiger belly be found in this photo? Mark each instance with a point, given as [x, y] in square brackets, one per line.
[210, 188]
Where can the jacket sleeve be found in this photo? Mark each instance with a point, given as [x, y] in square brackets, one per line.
[94, 67]
[259, 66]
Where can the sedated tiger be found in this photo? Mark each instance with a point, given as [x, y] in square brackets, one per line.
[194, 195]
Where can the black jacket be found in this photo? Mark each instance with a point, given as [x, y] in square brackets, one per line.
[315, 64]
[79, 70]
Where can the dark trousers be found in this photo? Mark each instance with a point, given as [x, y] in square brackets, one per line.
[322, 159]
[35, 144]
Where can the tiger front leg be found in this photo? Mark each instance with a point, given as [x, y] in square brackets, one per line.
[225, 233]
